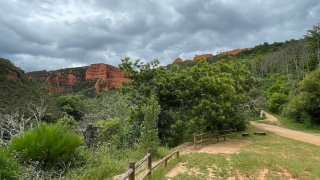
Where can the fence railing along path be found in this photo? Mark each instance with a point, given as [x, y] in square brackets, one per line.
[207, 137]
[136, 168]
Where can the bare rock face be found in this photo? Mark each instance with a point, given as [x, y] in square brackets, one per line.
[235, 51]
[178, 60]
[202, 56]
[106, 75]
[58, 82]
[95, 76]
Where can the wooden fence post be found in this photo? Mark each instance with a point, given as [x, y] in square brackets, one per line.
[201, 139]
[178, 155]
[150, 161]
[132, 165]
[165, 162]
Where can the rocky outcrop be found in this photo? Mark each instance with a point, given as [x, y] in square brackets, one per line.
[106, 75]
[95, 76]
[202, 56]
[196, 58]
[235, 51]
[178, 60]
[59, 82]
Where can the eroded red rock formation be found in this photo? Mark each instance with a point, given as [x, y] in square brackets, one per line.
[202, 56]
[107, 75]
[58, 82]
[235, 51]
[68, 80]
[178, 60]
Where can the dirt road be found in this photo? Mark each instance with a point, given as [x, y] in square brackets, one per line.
[297, 135]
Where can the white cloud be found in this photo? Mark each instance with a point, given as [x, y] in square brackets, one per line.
[57, 34]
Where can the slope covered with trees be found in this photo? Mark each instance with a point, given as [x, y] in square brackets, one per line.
[160, 107]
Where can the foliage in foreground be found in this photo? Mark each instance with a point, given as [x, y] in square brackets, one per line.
[108, 161]
[9, 167]
[50, 145]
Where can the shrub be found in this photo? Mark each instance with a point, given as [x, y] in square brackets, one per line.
[50, 145]
[67, 120]
[109, 130]
[277, 101]
[72, 105]
[305, 107]
[9, 167]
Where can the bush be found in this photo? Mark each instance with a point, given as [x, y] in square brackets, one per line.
[67, 120]
[72, 105]
[9, 167]
[50, 145]
[305, 107]
[277, 101]
[109, 130]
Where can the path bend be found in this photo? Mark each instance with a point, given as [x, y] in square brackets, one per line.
[293, 134]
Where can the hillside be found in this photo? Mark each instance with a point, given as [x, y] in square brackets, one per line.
[15, 87]
[96, 77]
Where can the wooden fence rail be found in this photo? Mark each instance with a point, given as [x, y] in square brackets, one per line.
[207, 137]
[134, 167]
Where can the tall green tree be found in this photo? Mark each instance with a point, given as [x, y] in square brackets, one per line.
[149, 134]
[313, 39]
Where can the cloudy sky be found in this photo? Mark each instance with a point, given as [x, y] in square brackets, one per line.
[53, 34]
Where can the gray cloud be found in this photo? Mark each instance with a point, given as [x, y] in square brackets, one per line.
[38, 35]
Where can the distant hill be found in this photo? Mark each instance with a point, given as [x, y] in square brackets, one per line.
[15, 87]
[93, 78]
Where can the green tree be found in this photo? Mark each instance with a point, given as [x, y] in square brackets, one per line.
[149, 134]
[313, 39]
[305, 106]
[71, 105]
[197, 96]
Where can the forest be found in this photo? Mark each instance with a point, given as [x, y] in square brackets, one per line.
[42, 135]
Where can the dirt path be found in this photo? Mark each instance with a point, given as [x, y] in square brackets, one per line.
[230, 146]
[271, 118]
[293, 134]
[225, 147]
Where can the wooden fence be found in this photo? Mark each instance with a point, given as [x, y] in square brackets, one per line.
[135, 167]
[207, 137]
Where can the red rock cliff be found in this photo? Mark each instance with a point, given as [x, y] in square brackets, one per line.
[235, 51]
[106, 75]
[58, 82]
[69, 80]
[202, 56]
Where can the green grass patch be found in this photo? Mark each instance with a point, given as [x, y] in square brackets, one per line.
[292, 124]
[107, 162]
[272, 152]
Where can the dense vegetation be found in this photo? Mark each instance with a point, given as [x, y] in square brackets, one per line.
[201, 97]
[161, 107]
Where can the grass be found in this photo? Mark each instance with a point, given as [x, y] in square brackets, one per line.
[277, 154]
[291, 124]
[108, 162]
